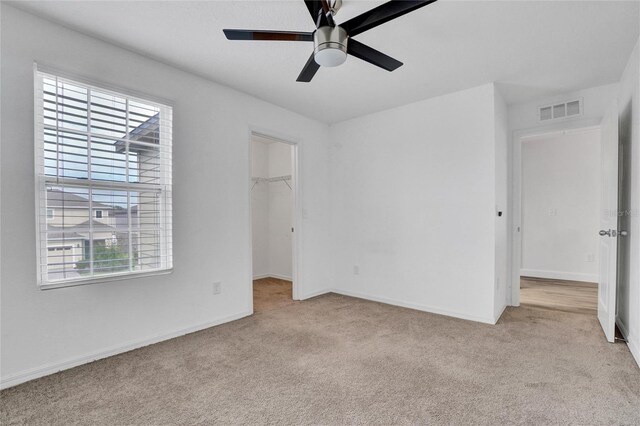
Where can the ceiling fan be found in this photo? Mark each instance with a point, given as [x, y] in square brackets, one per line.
[333, 42]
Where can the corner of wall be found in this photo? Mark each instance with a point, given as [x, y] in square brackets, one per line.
[502, 203]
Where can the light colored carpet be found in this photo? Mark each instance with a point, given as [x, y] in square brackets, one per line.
[340, 360]
[271, 293]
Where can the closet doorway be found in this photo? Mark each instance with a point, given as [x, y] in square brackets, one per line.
[273, 222]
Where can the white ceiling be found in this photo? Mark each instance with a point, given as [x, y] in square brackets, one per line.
[532, 48]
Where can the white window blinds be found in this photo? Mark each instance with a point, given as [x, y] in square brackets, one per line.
[103, 167]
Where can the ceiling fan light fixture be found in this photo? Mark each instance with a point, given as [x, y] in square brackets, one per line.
[330, 57]
[332, 43]
[330, 46]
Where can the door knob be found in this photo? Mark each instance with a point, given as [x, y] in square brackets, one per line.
[623, 233]
[603, 232]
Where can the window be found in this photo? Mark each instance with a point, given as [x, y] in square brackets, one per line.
[104, 152]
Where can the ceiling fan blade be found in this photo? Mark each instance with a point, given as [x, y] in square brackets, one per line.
[316, 10]
[368, 54]
[268, 35]
[309, 70]
[381, 14]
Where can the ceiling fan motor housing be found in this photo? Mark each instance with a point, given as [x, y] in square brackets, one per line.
[330, 46]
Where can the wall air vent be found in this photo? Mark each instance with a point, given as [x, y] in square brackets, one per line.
[560, 110]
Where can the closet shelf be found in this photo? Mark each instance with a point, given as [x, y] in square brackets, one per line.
[273, 179]
[285, 179]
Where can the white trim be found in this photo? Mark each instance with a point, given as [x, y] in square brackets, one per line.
[631, 343]
[297, 285]
[634, 348]
[497, 318]
[622, 327]
[114, 89]
[281, 277]
[564, 127]
[316, 294]
[89, 184]
[276, 276]
[250, 222]
[45, 370]
[559, 275]
[419, 307]
[105, 278]
[97, 184]
[39, 195]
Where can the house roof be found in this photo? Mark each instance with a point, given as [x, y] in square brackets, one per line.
[63, 199]
[144, 131]
[81, 230]
[118, 212]
[82, 227]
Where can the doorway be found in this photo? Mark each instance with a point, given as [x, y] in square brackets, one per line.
[558, 220]
[273, 201]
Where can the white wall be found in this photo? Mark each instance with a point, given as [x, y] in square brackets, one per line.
[279, 159]
[260, 209]
[523, 121]
[272, 210]
[561, 206]
[414, 205]
[629, 102]
[280, 212]
[502, 294]
[43, 331]
[595, 100]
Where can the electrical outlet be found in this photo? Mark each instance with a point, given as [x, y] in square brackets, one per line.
[553, 212]
[356, 270]
[217, 287]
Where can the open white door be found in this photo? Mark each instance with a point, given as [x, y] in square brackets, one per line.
[608, 223]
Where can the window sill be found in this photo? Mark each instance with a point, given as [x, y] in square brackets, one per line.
[105, 279]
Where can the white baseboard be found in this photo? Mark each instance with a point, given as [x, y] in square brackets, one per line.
[495, 320]
[415, 306]
[634, 347]
[559, 275]
[280, 277]
[623, 329]
[315, 294]
[35, 373]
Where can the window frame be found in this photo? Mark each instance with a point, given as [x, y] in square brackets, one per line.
[41, 181]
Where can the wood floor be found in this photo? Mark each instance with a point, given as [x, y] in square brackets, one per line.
[567, 296]
[271, 293]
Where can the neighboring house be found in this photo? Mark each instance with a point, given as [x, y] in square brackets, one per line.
[71, 222]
